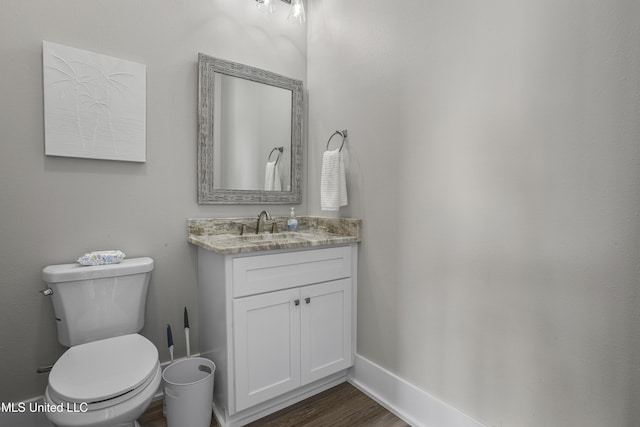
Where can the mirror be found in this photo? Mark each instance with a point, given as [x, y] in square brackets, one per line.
[249, 135]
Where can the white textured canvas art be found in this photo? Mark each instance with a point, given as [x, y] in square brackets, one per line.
[94, 105]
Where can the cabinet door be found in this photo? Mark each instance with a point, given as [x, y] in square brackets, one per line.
[325, 329]
[266, 346]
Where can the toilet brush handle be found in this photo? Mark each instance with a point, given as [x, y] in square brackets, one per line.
[186, 331]
[186, 336]
[170, 341]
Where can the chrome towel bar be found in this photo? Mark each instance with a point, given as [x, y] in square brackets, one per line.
[343, 134]
[280, 149]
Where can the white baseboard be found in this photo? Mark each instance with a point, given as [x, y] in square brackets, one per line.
[416, 407]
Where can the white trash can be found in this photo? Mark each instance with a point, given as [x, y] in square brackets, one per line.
[188, 392]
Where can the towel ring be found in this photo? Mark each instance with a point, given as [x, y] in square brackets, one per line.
[279, 149]
[343, 134]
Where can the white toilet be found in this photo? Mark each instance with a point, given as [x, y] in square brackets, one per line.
[110, 373]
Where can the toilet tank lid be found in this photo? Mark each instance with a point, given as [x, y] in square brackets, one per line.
[74, 272]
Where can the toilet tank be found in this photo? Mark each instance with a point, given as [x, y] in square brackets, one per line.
[97, 302]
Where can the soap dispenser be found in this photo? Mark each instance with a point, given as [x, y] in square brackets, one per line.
[292, 222]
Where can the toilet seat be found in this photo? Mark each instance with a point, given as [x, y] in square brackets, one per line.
[104, 373]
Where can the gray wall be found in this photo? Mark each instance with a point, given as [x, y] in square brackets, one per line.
[494, 157]
[52, 209]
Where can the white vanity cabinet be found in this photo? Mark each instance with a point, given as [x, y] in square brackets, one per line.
[285, 339]
[279, 325]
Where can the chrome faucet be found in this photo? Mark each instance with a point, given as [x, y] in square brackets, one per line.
[267, 215]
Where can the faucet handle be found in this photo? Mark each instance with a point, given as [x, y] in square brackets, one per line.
[243, 229]
[274, 227]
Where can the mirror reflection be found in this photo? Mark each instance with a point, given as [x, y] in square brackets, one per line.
[252, 141]
[250, 134]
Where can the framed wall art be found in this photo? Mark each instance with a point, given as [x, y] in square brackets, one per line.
[94, 105]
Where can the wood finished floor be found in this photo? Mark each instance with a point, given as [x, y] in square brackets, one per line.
[340, 406]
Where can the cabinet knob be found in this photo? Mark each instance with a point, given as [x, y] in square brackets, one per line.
[296, 302]
[307, 300]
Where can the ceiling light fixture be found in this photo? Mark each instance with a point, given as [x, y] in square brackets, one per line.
[296, 12]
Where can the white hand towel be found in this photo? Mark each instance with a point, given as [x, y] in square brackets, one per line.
[333, 182]
[272, 177]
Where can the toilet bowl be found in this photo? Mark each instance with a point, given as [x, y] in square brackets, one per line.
[103, 383]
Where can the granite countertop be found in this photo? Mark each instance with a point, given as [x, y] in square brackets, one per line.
[222, 235]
